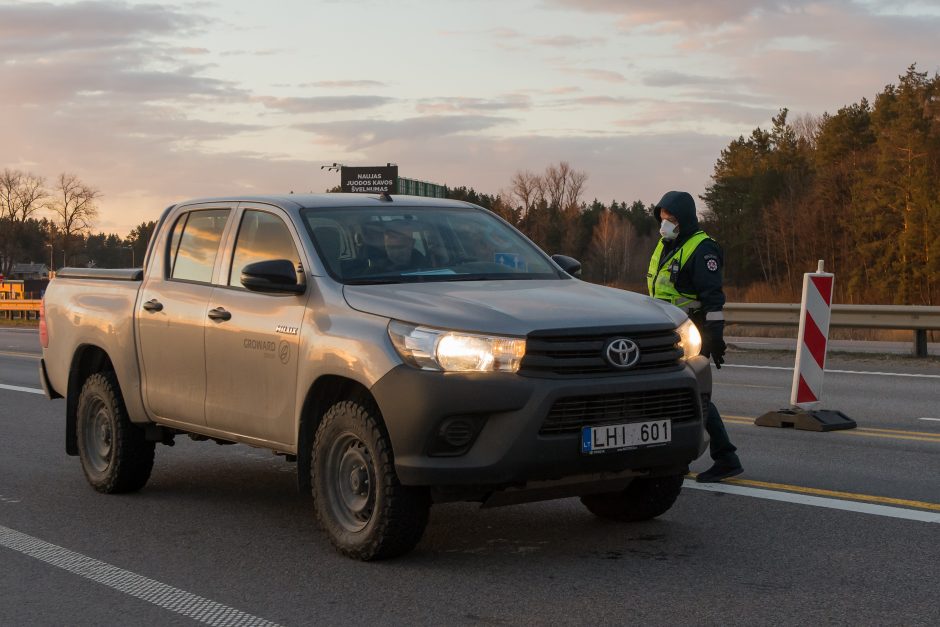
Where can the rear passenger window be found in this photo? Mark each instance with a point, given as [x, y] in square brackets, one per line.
[194, 244]
[262, 236]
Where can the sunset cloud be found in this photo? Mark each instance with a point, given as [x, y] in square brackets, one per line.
[154, 102]
[42, 27]
[467, 104]
[359, 134]
[321, 104]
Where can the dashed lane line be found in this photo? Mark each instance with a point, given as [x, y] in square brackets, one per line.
[19, 388]
[160, 594]
[16, 354]
[860, 503]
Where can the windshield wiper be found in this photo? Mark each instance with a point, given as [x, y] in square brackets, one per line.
[374, 281]
[495, 277]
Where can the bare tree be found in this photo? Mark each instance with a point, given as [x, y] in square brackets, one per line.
[607, 247]
[75, 207]
[9, 184]
[563, 186]
[556, 184]
[574, 189]
[21, 195]
[524, 192]
[806, 126]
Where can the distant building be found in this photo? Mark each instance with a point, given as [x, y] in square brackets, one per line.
[26, 271]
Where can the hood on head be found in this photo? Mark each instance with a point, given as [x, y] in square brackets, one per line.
[682, 206]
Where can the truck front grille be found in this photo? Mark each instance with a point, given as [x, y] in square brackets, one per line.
[563, 353]
[568, 415]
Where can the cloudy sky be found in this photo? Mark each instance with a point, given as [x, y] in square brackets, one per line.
[157, 102]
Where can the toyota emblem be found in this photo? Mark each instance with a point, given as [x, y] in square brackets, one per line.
[622, 353]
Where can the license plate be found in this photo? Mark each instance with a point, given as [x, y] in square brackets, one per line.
[620, 437]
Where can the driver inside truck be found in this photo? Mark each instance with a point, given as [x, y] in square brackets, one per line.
[397, 250]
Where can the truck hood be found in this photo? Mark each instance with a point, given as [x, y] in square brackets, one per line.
[511, 307]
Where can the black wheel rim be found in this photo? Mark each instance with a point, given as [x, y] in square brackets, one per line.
[350, 482]
[98, 435]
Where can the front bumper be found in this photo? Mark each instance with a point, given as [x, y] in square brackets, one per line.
[509, 449]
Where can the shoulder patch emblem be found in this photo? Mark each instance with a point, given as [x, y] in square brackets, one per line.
[712, 265]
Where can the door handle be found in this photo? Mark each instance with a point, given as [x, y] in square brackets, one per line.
[153, 305]
[219, 314]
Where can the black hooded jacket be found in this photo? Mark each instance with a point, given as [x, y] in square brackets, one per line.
[701, 274]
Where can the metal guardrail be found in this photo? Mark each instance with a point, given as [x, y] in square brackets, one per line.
[914, 318]
[19, 305]
[19, 308]
[918, 319]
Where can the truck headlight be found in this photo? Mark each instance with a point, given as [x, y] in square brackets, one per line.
[690, 340]
[453, 351]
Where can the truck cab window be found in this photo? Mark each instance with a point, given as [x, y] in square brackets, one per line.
[195, 244]
[262, 236]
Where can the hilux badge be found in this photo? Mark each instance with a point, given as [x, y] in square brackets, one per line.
[622, 353]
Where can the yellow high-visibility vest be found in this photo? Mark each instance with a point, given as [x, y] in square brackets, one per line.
[659, 278]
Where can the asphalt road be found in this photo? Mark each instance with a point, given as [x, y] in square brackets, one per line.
[220, 533]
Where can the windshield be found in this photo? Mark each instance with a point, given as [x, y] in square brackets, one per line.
[364, 245]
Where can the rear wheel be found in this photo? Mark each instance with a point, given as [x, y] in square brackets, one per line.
[643, 499]
[115, 455]
[360, 503]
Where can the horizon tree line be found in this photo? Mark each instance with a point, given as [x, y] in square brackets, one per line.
[859, 188]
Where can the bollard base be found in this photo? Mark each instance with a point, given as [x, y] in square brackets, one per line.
[806, 420]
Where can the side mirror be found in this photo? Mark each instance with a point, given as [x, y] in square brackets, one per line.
[276, 275]
[568, 264]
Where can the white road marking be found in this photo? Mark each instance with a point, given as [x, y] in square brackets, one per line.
[816, 501]
[18, 388]
[160, 594]
[933, 419]
[880, 374]
[21, 355]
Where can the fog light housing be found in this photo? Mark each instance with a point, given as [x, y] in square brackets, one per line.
[455, 435]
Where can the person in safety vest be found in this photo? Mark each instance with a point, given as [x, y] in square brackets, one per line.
[685, 270]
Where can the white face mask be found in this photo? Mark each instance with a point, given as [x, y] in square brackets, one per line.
[668, 230]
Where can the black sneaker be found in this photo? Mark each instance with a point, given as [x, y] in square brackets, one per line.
[718, 472]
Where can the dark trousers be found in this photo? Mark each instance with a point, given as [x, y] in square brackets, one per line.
[720, 446]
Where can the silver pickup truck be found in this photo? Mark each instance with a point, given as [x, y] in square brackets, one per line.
[402, 351]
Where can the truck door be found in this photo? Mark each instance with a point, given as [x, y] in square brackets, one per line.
[172, 319]
[252, 346]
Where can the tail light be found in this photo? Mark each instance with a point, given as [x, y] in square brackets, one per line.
[43, 331]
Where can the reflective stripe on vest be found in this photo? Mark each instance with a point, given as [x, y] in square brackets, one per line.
[659, 277]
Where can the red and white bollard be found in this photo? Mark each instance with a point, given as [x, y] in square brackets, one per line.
[815, 312]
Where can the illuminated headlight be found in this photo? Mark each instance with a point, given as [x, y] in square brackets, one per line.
[453, 351]
[690, 340]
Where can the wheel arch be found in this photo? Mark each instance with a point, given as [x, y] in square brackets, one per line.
[326, 391]
[87, 360]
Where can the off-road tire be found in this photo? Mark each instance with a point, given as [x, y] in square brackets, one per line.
[643, 499]
[115, 455]
[363, 508]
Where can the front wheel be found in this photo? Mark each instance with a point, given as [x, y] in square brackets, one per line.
[643, 499]
[360, 503]
[115, 455]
